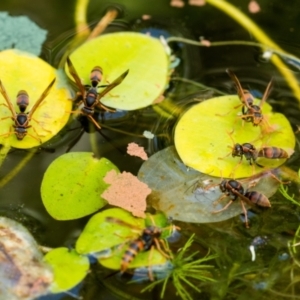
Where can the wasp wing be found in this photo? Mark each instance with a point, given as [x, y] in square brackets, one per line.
[112, 85]
[266, 93]
[76, 77]
[5, 96]
[42, 97]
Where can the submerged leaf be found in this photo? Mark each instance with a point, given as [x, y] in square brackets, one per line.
[202, 139]
[69, 268]
[23, 274]
[23, 71]
[144, 56]
[73, 183]
[188, 195]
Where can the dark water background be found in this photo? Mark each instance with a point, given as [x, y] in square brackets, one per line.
[20, 198]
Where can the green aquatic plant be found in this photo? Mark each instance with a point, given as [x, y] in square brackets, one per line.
[284, 192]
[185, 269]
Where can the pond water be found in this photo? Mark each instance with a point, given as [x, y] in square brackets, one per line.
[274, 274]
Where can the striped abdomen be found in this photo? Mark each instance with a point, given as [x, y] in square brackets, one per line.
[258, 198]
[133, 249]
[272, 153]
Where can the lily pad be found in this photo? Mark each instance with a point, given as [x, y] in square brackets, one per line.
[122, 228]
[144, 56]
[73, 183]
[24, 71]
[69, 268]
[201, 137]
[100, 234]
[188, 195]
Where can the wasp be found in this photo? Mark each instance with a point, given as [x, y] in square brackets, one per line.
[22, 119]
[234, 190]
[89, 94]
[148, 239]
[250, 111]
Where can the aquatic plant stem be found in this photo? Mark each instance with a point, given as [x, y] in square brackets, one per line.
[17, 169]
[82, 27]
[249, 25]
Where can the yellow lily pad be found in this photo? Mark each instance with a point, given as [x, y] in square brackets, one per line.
[202, 137]
[144, 56]
[24, 71]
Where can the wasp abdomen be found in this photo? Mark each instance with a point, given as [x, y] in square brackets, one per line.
[258, 198]
[272, 152]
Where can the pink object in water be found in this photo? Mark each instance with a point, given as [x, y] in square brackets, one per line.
[197, 2]
[177, 3]
[253, 7]
[127, 192]
[136, 150]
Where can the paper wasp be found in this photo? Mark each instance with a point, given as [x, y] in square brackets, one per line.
[234, 190]
[22, 119]
[251, 154]
[148, 239]
[89, 94]
[250, 112]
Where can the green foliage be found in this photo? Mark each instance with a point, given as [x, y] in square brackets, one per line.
[69, 268]
[185, 271]
[284, 192]
[144, 56]
[73, 183]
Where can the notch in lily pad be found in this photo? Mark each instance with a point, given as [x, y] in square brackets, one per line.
[73, 183]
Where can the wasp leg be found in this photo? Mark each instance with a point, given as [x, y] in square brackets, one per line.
[222, 209]
[245, 214]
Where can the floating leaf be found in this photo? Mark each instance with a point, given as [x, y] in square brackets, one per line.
[184, 194]
[68, 266]
[73, 183]
[201, 137]
[23, 273]
[23, 71]
[144, 56]
[99, 234]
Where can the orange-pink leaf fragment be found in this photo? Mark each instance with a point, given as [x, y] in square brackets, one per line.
[197, 2]
[127, 192]
[136, 150]
[253, 7]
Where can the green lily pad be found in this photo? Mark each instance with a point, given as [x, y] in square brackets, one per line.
[188, 195]
[201, 137]
[24, 71]
[100, 234]
[73, 183]
[69, 268]
[144, 56]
